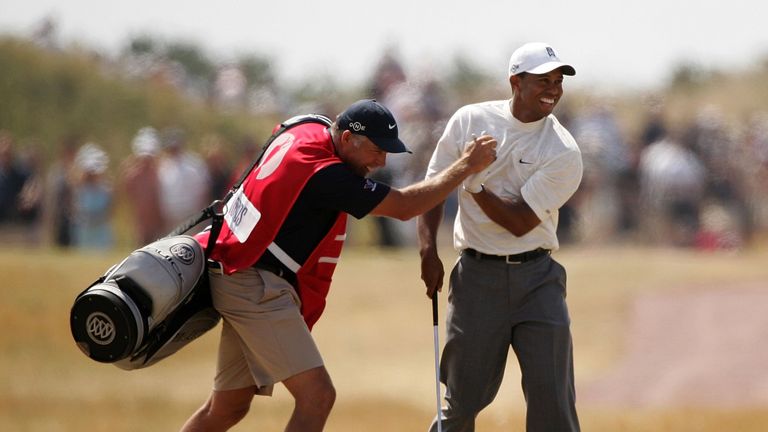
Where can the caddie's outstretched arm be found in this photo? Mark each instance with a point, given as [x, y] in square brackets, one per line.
[417, 198]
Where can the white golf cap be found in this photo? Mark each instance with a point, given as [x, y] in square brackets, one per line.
[537, 58]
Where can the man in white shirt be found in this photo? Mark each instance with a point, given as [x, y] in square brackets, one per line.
[505, 288]
[184, 180]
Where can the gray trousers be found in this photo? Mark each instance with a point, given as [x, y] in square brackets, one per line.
[492, 305]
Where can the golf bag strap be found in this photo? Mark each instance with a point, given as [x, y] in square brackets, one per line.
[217, 220]
[291, 122]
[205, 214]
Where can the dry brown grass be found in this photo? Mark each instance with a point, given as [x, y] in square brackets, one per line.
[376, 337]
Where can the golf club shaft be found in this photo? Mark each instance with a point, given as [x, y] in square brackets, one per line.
[437, 362]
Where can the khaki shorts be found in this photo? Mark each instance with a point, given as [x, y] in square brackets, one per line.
[264, 339]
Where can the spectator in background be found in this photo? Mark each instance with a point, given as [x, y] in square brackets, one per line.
[388, 77]
[755, 161]
[654, 128]
[725, 203]
[19, 192]
[59, 183]
[140, 183]
[12, 178]
[30, 201]
[219, 169]
[184, 180]
[93, 200]
[672, 185]
[247, 152]
[606, 162]
[418, 103]
[230, 87]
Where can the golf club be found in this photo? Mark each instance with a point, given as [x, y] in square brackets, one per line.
[437, 362]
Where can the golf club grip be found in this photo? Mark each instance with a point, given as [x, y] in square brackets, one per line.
[434, 308]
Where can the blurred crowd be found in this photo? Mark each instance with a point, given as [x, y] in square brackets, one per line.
[698, 186]
[72, 203]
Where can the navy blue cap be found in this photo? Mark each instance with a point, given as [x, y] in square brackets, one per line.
[373, 120]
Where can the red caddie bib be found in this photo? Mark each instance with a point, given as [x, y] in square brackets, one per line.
[257, 210]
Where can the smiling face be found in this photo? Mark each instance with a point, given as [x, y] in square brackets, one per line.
[360, 153]
[535, 96]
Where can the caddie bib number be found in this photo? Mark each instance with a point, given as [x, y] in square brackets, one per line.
[275, 155]
[241, 215]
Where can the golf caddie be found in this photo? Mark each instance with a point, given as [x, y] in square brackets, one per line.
[283, 232]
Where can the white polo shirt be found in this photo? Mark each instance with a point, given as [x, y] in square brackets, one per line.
[537, 161]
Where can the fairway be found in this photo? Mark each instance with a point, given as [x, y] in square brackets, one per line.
[376, 338]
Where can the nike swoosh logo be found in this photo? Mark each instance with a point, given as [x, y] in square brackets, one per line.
[392, 126]
[524, 162]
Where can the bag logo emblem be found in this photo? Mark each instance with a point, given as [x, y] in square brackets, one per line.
[183, 252]
[100, 328]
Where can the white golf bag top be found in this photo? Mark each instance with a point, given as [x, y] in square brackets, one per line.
[146, 307]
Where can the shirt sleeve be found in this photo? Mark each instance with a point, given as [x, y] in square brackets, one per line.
[449, 146]
[336, 187]
[551, 186]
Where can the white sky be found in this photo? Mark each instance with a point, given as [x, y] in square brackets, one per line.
[612, 43]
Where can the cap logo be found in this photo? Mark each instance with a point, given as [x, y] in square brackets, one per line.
[551, 52]
[515, 67]
[357, 127]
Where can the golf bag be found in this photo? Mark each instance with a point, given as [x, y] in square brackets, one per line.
[147, 307]
[157, 300]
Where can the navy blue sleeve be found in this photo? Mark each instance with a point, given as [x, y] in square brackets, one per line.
[336, 187]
